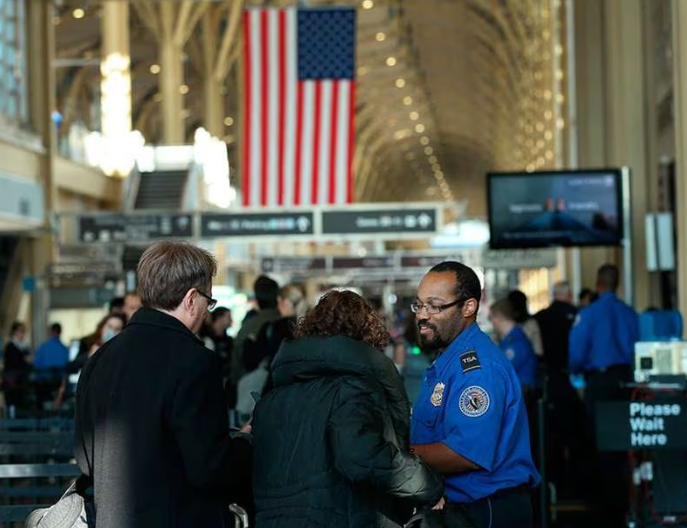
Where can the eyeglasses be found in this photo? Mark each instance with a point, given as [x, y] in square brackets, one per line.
[432, 308]
[211, 302]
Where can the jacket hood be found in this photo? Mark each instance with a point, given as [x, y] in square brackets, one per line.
[316, 357]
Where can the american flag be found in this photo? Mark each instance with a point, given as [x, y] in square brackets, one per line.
[299, 104]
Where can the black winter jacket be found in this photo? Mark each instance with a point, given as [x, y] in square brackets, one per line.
[152, 430]
[331, 441]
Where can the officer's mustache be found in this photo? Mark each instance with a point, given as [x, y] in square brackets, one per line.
[424, 323]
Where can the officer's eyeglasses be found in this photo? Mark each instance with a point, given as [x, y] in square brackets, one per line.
[211, 302]
[432, 308]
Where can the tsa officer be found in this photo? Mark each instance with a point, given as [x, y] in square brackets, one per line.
[469, 422]
[514, 343]
[602, 343]
[602, 340]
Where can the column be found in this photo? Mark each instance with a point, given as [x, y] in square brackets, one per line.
[214, 103]
[680, 94]
[613, 126]
[628, 127]
[214, 106]
[591, 123]
[171, 78]
[115, 69]
[41, 248]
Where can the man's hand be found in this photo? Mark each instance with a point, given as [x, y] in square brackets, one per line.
[440, 505]
[248, 427]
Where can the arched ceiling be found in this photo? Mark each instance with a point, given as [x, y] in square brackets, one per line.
[447, 89]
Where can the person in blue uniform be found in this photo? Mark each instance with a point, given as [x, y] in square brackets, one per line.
[469, 422]
[601, 346]
[604, 334]
[514, 343]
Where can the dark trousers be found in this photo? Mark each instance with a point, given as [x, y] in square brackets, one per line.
[505, 509]
[611, 479]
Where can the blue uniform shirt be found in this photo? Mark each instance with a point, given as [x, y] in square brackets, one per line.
[471, 401]
[604, 334]
[518, 350]
[51, 354]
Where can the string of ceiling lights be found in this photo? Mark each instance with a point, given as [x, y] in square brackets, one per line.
[412, 129]
[540, 125]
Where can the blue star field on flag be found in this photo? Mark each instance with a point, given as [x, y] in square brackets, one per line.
[326, 43]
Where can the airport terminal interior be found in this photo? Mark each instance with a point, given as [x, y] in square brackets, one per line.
[353, 145]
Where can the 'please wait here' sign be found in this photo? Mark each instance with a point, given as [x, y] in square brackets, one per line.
[640, 425]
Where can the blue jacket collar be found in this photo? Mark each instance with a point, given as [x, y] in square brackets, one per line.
[460, 344]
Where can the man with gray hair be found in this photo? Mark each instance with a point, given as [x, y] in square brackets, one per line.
[555, 323]
[567, 418]
[152, 432]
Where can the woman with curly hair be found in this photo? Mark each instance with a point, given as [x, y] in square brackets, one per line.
[331, 439]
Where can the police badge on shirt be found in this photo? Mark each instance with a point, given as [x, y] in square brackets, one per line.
[437, 397]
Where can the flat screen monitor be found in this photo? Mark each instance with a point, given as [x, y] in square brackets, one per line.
[555, 209]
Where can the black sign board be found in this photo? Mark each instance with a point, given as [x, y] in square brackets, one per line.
[419, 220]
[659, 424]
[81, 273]
[422, 261]
[107, 228]
[252, 224]
[362, 262]
[293, 264]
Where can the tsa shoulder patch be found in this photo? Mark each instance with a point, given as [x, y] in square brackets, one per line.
[474, 401]
[469, 361]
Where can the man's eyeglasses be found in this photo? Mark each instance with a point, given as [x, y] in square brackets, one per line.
[211, 302]
[432, 308]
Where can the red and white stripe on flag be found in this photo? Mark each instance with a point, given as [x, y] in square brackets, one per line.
[298, 126]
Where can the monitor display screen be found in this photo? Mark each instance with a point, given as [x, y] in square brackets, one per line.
[555, 209]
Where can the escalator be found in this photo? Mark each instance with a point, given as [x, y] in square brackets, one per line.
[161, 190]
[155, 191]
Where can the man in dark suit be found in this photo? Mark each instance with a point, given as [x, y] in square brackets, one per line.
[151, 425]
[566, 421]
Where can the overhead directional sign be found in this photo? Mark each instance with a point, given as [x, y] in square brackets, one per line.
[81, 273]
[362, 262]
[366, 221]
[106, 228]
[360, 221]
[252, 224]
[469, 256]
[393, 264]
[293, 264]
[519, 258]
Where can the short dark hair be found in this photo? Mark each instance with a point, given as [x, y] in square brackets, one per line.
[266, 292]
[504, 308]
[608, 276]
[219, 312]
[117, 303]
[518, 303]
[467, 281]
[168, 270]
[16, 326]
[586, 292]
[56, 328]
[344, 313]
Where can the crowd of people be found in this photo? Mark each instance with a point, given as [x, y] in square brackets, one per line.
[330, 441]
[329, 435]
[595, 340]
[45, 378]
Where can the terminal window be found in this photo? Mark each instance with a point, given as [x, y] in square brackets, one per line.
[13, 89]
